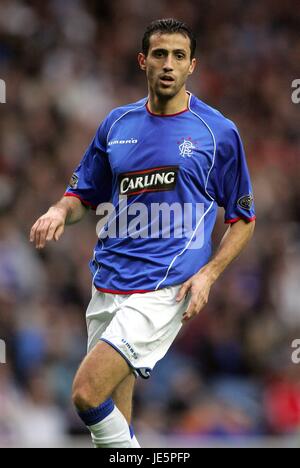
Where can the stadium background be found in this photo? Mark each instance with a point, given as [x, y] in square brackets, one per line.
[229, 377]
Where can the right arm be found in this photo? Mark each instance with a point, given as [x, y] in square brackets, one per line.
[91, 182]
[51, 226]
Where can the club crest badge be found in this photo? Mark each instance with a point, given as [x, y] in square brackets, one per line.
[186, 147]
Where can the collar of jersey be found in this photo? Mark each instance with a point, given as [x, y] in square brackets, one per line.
[169, 115]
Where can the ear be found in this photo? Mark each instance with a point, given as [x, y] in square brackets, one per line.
[142, 61]
[192, 66]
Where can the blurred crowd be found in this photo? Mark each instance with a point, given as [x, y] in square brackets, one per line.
[66, 64]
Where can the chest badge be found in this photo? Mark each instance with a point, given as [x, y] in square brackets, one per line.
[186, 148]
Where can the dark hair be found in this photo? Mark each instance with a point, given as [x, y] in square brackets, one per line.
[168, 26]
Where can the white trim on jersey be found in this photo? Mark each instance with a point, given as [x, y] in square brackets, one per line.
[123, 115]
[213, 200]
[118, 214]
[99, 266]
[186, 247]
[215, 146]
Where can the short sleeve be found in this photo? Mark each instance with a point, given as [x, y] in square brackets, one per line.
[92, 180]
[230, 182]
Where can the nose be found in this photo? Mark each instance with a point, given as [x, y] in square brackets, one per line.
[168, 65]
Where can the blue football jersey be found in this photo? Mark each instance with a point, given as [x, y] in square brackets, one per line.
[157, 172]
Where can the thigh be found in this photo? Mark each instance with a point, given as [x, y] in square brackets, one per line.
[123, 396]
[100, 373]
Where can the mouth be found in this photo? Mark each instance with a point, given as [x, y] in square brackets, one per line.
[166, 80]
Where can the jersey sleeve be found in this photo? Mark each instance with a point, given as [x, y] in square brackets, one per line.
[92, 180]
[230, 182]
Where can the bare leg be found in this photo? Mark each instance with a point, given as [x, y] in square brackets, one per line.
[123, 396]
[101, 372]
[104, 374]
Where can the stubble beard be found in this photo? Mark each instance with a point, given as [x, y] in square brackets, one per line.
[166, 94]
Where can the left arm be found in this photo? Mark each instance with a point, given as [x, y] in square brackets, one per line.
[234, 241]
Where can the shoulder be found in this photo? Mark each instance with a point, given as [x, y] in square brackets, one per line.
[220, 126]
[112, 118]
[115, 116]
[119, 112]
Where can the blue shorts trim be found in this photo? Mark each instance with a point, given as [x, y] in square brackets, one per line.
[137, 371]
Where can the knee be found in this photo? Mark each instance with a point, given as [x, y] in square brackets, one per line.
[82, 397]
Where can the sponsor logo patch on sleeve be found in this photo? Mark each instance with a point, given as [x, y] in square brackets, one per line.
[74, 181]
[246, 202]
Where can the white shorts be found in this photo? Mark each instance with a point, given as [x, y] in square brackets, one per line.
[141, 327]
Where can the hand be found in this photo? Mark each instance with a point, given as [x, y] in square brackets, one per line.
[49, 227]
[199, 286]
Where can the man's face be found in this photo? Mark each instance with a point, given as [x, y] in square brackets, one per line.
[168, 64]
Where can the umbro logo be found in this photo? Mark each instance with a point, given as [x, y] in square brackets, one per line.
[130, 349]
[131, 141]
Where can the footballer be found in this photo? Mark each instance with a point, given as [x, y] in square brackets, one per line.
[169, 147]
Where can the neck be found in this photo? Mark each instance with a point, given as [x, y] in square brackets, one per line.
[178, 103]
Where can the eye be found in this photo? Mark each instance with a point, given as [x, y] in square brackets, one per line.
[180, 56]
[158, 54]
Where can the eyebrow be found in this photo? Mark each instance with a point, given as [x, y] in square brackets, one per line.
[160, 49]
